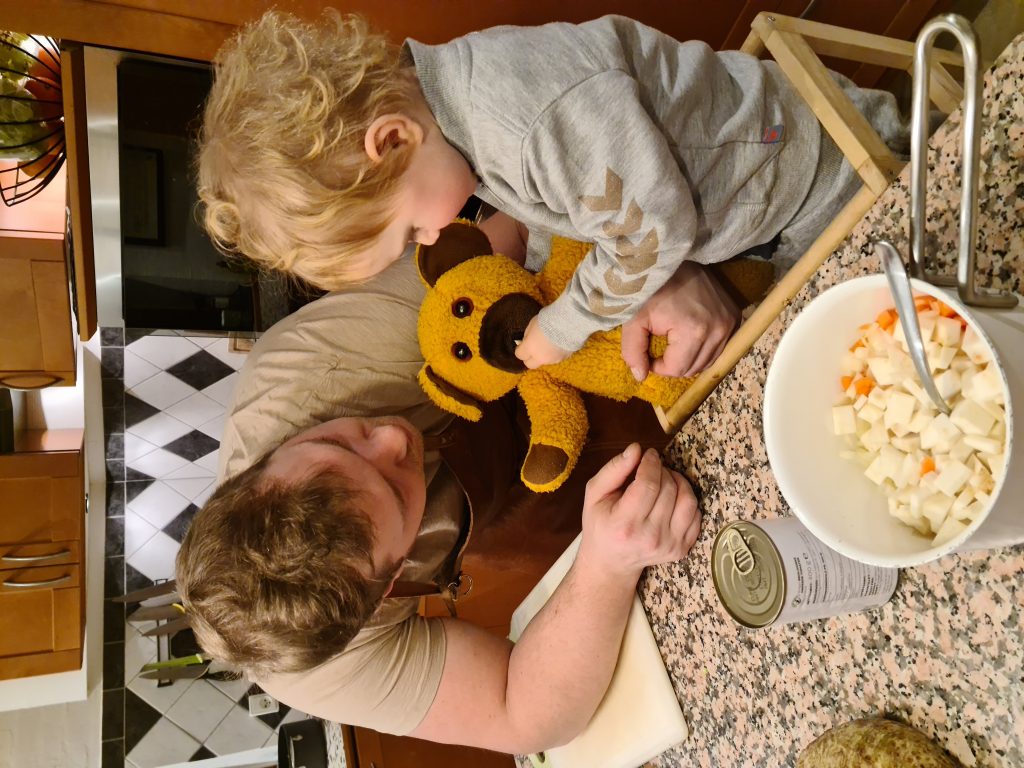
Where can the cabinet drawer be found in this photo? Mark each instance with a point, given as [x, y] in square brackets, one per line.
[41, 631]
[45, 577]
[20, 556]
[37, 510]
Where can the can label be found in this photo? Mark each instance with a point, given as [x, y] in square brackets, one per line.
[777, 572]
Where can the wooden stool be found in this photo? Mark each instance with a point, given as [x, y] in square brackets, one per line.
[796, 44]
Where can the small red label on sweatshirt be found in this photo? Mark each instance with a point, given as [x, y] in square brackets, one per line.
[773, 134]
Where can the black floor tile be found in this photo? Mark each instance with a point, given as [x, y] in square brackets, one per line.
[178, 526]
[112, 363]
[201, 754]
[115, 470]
[113, 665]
[113, 714]
[114, 546]
[139, 717]
[113, 622]
[115, 499]
[134, 334]
[111, 337]
[113, 393]
[136, 411]
[192, 446]
[135, 476]
[115, 445]
[113, 754]
[113, 577]
[201, 370]
[113, 420]
[132, 488]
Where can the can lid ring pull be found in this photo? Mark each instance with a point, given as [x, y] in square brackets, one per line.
[742, 556]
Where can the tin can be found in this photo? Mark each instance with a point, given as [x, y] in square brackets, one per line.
[776, 572]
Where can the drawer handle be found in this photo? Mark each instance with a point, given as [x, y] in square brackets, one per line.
[5, 379]
[35, 558]
[27, 584]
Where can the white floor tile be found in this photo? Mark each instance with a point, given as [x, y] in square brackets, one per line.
[223, 391]
[196, 409]
[138, 650]
[202, 341]
[137, 531]
[214, 427]
[200, 709]
[219, 349]
[135, 447]
[155, 558]
[159, 504]
[160, 429]
[191, 471]
[160, 699]
[200, 498]
[293, 716]
[233, 689]
[162, 390]
[158, 463]
[165, 744]
[162, 351]
[238, 731]
[137, 370]
[189, 487]
[209, 461]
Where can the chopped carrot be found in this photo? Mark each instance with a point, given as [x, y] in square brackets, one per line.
[845, 382]
[922, 302]
[886, 319]
[927, 465]
[864, 327]
[946, 311]
[864, 385]
[857, 344]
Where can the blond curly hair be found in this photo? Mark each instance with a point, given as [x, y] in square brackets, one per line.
[283, 175]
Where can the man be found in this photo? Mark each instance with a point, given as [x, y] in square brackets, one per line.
[254, 562]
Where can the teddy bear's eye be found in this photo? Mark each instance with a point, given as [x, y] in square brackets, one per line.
[462, 351]
[462, 307]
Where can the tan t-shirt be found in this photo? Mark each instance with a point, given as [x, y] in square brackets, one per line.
[355, 353]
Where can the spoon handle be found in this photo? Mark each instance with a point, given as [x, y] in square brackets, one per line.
[899, 286]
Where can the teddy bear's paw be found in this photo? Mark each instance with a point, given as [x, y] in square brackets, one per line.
[545, 467]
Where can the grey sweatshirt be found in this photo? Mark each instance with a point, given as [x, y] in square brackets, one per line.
[614, 133]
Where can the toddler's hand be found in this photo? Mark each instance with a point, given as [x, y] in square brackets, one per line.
[535, 350]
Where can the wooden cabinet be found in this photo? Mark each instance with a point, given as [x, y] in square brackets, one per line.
[37, 347]
[42, 554]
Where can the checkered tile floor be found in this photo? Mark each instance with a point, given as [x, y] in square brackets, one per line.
[164, 397]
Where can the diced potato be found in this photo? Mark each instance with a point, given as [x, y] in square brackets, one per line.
[844, 420]
[947, 331]
[971, 418]
[948, 531]
[937, 471]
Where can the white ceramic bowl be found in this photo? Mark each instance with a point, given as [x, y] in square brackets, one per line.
[830, 494]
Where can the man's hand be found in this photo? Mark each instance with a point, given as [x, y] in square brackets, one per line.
[535, 350]
[694, 312]
[654, 519]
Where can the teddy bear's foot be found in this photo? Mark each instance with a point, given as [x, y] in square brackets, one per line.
[545, 467]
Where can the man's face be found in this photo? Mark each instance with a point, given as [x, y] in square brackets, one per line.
[383, 457]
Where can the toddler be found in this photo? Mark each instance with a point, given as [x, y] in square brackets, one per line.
[325, 150]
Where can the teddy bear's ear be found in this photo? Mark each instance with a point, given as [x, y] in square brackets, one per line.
[458, 242]
[449, 397]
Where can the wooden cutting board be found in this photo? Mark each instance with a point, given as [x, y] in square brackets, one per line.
[639, 716]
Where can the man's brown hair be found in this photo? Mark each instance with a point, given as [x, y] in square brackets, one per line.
[278, 577]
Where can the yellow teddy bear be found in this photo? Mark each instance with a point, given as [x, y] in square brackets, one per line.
[477, 308]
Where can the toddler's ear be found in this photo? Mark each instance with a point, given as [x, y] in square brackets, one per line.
[389, 132]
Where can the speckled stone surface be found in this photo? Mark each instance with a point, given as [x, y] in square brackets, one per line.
[946, 654]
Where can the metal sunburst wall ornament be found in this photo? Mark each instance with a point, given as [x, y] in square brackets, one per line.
[32, 143]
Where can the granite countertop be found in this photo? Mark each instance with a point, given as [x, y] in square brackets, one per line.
[946, 654]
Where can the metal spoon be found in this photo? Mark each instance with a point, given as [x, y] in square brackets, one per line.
[899, 286]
